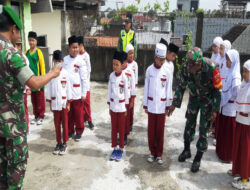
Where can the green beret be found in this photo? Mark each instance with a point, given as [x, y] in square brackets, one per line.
[13, 15]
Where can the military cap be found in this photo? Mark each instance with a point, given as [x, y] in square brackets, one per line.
[13, 15]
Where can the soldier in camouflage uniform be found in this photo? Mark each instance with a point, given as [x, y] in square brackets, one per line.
[14, 74]
[203, 80]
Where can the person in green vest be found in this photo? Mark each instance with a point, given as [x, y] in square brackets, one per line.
[127, 36]
[37, 65]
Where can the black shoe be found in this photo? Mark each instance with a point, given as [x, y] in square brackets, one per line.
[78, 137]
[57, 148]
[63, 149]
[195, 166]
[197, 162]
[184, 155]
[71, 135]
[91, 125]
[125, 140]
[131, 128]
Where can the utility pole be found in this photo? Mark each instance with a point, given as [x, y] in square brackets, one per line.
[117, 3]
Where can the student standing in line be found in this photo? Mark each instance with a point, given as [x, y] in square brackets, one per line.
[118, 98]
[227, 123]
[59, 96]
[241, 147]
[78, 75]
[156, 103]
[86, 107]
[132, 64]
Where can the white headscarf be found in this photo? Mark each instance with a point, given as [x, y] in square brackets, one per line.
[243, 97]
[233, 77]
[221, 60]
[227, 44]
[217, 41]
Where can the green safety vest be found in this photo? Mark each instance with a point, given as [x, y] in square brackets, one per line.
[127, 38]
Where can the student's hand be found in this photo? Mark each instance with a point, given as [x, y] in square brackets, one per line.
[83, 98]
[28, 92]
[171, 110]
[125, 114]
[146, 111]
[56, 71]
[167, 110]
[68, 107]
[213, 116]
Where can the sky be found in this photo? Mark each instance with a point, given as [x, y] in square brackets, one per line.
[204, 4]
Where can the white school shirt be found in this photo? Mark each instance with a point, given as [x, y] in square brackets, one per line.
[86, 58]
[229, 109]
[214, 57]
[129, 73]
[58, 91]
[169, 66]
[243, 118]
[156, 90]
[78, 75]
[222, 65]
[118, 92]
[134, 66]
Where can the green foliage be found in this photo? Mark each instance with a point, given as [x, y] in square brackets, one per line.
[189, 46]
[111, 14]
[147, 7]
[199, 11]
[157, 7]
[130, 8]
[172, 18]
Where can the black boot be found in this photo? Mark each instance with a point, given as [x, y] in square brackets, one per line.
[131, 128]
[91, 125]
[125, 139]
[186, 153]
[197, 162]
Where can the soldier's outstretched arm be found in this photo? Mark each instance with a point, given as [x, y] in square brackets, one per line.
[181, 87]
[36, 82]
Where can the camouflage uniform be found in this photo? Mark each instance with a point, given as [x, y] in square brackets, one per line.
[203, 97]
[13, 128]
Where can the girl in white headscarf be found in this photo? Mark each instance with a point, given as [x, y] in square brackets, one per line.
[227, 123]
[221, 65]
[241, 148]
[216, 48]
[221, 60]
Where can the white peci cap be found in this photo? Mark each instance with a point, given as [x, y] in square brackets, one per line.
[160, 50]
[129, 47]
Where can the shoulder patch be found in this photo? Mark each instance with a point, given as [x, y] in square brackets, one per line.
[217, 79]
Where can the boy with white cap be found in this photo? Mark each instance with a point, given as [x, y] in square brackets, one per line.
[132, 64]
[156, 103]
[131, 92]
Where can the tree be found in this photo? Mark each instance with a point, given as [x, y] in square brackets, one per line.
[111, 14]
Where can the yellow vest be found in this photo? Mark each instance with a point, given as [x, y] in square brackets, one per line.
[126, 38]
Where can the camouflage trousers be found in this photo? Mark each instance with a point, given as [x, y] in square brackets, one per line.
[13, 161]
[194, 106]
